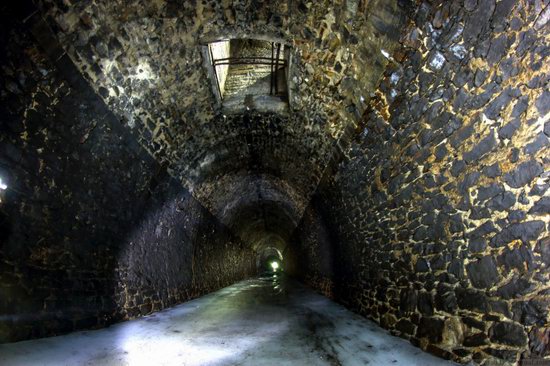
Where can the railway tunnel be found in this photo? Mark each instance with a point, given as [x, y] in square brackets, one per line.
[260, 182]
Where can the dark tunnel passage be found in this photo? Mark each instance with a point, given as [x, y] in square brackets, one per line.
[275, 182]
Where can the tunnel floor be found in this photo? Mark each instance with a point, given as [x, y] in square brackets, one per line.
[265, 321]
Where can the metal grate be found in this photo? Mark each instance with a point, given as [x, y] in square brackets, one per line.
[249, 63]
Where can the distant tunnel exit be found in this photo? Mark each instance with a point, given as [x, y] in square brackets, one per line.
[270, 260]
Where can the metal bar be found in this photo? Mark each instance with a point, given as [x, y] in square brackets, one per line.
[215, 72]
[245, 58]
[276, 67]
[271, 74]
[251, 60]
[246, 63]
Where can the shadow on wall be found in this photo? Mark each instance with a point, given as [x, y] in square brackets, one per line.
[172, 254]
[178, 251]
[127, 260]
[93, 229]
[312, 254]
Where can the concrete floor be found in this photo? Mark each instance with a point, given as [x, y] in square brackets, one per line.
[266, 321]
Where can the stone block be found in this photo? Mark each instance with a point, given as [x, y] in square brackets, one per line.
[519, 258]
[508, 333]
[431, 328]
[405, 326]
[523, 174]
[486, 192]
[541, 207]
[476, 340]
[516, 287]
[483, 273]
[502, 202]
[525, 231]
[471, 299]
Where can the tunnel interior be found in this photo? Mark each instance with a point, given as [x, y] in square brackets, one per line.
[270, 260]
[392, 155]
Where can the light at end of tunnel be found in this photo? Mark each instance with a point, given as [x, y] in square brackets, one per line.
[274, 265]
[3, 187]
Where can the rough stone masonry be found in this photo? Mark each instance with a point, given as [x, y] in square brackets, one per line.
[439, 212]
[409, 178]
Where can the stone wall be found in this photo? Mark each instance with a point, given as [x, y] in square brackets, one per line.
[92, 229]
[441, 205]
[311, 255]
[144, 60]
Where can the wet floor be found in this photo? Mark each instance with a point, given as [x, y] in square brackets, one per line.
[265, 321]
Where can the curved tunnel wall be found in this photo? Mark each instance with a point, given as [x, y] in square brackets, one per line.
[90, 229]
[93, 229]
[439, 215]
[434, 223]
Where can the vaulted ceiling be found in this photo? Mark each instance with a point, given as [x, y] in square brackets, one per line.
[255, 171]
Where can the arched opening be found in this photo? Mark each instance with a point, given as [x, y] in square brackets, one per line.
[269, 261]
